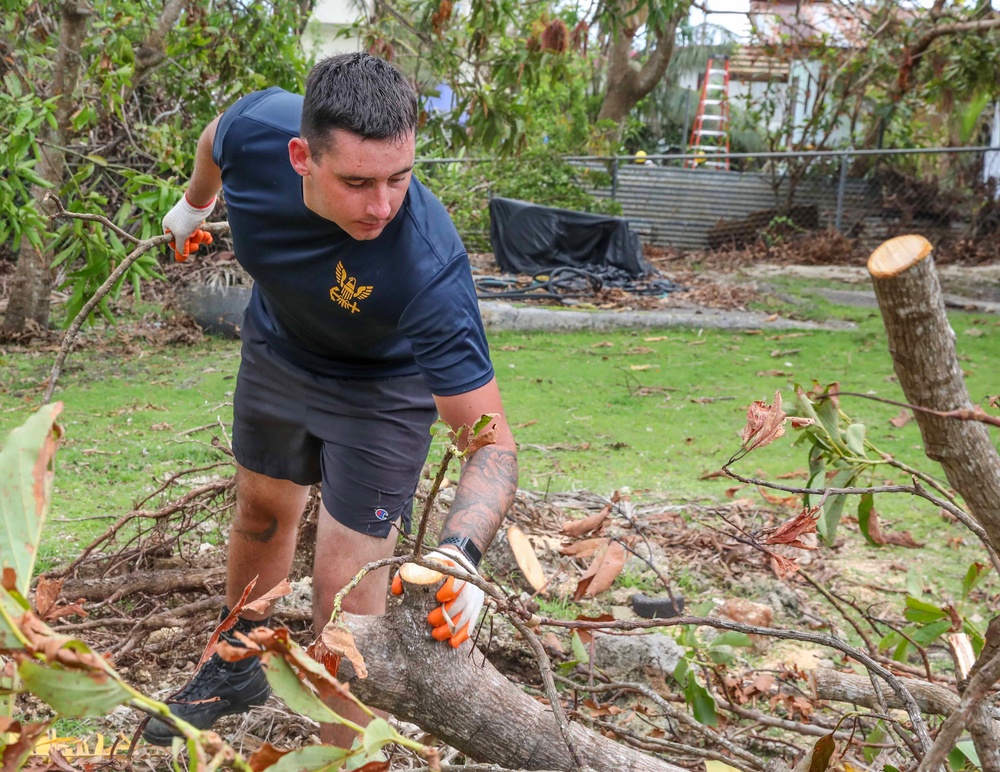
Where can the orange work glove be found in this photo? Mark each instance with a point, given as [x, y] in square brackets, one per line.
[461, 602]
[183, 222]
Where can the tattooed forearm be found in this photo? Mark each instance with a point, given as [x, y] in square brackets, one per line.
[485, 492]
[262, 537]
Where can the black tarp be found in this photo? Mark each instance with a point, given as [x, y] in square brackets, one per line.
[532, 239]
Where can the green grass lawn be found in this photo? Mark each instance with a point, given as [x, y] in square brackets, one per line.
[654, 412]
[648, 411]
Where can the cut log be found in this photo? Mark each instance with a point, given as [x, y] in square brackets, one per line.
[922, 346]
[459, 697]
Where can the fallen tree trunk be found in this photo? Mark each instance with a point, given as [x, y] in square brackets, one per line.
[459, 697]
[922, 346]
[161, 582]
[857, 689]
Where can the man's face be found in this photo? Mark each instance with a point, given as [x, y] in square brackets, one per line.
[357, 183]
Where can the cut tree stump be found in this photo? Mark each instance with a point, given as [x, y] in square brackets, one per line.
[922, 346]
[459, 697]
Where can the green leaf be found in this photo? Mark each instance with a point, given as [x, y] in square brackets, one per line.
[26, 471]
[855, 439]
[11, 607]
[968, 751]
[822, 752]
[295, 694]
[829, 417]
[833, 507]
[687, 637]
[890, 640]
[579, 650]
[976, 636]
[731, 638]
[701, 702]
[927, 634]
[865, 508]
[97, 159]
[377, 734]
[73, 693]
[314, 758]
[875, 737]
[817, 470]
[921, 611]
[722, 655]
[682, 671]
[482, 423]
[972, 577]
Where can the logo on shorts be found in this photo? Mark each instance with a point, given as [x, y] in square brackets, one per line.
[381, 514]
[346, 291]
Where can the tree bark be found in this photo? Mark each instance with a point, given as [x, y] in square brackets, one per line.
[32, 284]
[627, 84]
[459, 697]
[161, 582]
[922, 346]
[931, 698]
[857, 689]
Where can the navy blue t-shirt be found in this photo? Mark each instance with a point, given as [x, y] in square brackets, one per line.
[400, 304]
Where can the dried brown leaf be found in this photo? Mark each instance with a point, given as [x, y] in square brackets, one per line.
[902, 539]
[586, 635]
[588, 524]
[46, 594]
[585, 548]
[526, 558]
[783, 567]
[263, 603]
[790, 502]
[902, 419]
[552, 643]
[765, 423]
[790, 532]
[602, 572]
[337, 639]
[481, 440]
[265, 756]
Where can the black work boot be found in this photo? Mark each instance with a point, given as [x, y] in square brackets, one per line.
[218, 689]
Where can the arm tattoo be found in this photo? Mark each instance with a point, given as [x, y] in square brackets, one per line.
[485, 492]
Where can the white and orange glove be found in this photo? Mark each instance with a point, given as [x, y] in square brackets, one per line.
[183, 222]
[461, 602]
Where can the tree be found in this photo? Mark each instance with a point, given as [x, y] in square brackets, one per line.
[107, 101]
[498, 57]
[29, 302]
[628, 83]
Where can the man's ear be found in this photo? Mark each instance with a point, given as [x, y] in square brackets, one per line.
[298, 155]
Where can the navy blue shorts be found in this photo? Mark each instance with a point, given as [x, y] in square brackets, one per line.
[366, 441]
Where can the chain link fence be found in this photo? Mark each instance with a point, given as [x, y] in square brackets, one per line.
[810, 203]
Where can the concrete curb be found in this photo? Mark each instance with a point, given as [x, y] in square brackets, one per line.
[505, 317]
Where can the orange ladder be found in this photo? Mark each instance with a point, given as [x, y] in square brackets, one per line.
[710, 131]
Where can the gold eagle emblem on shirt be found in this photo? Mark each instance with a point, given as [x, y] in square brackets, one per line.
[346, 290]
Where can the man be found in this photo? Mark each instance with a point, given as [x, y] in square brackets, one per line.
[362, 328]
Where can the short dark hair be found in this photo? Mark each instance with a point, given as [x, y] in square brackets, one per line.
[360, 93]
